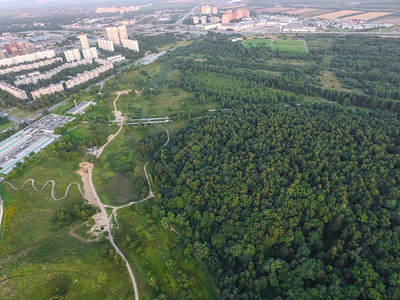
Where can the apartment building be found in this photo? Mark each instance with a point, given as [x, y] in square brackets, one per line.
[123, 34]
[16, 92]
[90, 53]
[35, 65]
[51, 89]
[71, 55]
[82, 78]
[130, 44]
[105, 45]
[84, 41]
[112, 35]
[27, 58]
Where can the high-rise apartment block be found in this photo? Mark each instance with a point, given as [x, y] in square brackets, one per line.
[214, 10]
[195, 20]
[206, 10]
[90, 53]
[203, 19]
[123, 34]
[19, 48]
[238, 14]
[72, 55]
[112, 34]
[130, 44]
[84, 41]
[105, 45]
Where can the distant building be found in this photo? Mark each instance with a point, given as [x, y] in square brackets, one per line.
[85, 77]
[81, 107]
[19, 48]
[203, 19]
[112, 35]
[34, 65]
[215, 19]
[105, 45]
[206, 10]
[238, 14]
[84, 41]
[16, 92]
[115, 58]
[3, 53]
[195, 20]
[214, 10]
[27, 58]
[130, 44]
[72, 55]
[123, 34]
[90, 53]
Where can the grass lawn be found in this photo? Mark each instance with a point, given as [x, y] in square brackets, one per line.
[283, 45]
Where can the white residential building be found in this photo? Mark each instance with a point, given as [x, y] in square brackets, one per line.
[112, 35]
[51, 89]
[84, 41]
[90, 53]
[105, 45]
[72, 55]
[16, 92]
[123, 34]
[27, 58]
[130, 44]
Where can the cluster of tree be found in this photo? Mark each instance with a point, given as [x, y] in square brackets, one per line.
[69, 214]
[234, 59]
[292, 202]
[283, 201]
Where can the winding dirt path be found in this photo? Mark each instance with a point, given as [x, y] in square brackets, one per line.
[119, 120]
[46, 183]
[72, 233]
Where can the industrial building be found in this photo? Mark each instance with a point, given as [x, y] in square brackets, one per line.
[81, 107]
[30, 140]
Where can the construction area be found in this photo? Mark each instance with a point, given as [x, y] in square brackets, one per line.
[29, 141]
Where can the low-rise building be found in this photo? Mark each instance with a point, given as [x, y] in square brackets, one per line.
[27, 58]
[51, 89]
[16, 92]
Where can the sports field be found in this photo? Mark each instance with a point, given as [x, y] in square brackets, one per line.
[283, 45]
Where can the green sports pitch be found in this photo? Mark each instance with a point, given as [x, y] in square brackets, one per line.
[284, 45]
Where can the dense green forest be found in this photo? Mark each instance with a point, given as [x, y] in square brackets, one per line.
[286, 201]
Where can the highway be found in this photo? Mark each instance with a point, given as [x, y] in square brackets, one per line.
[180, 21]
[1, 211]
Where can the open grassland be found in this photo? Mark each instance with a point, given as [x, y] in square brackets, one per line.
[282, 45]
[337, 14]
[39, 260]
[312, 14]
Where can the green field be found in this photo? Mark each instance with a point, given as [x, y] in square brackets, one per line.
[282, 45]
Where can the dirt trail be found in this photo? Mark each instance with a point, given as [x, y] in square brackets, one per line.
[72, 233]
[52, 188]
[119, 119]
